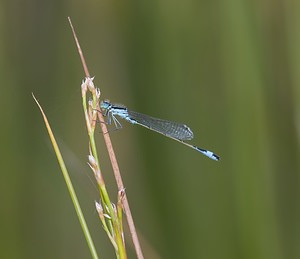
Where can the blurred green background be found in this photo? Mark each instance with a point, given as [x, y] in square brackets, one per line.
[228, 69]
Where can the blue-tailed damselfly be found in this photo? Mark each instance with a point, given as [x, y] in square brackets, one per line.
[173, 130]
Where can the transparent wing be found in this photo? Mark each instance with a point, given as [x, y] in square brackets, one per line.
[168, 128]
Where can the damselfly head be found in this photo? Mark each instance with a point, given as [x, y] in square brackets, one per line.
[104, 105]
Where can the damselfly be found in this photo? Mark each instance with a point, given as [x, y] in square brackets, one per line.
[173, 130]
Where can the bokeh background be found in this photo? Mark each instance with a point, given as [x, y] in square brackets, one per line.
[228, 69]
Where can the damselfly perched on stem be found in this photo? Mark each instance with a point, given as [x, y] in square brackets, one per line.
[173, 130]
